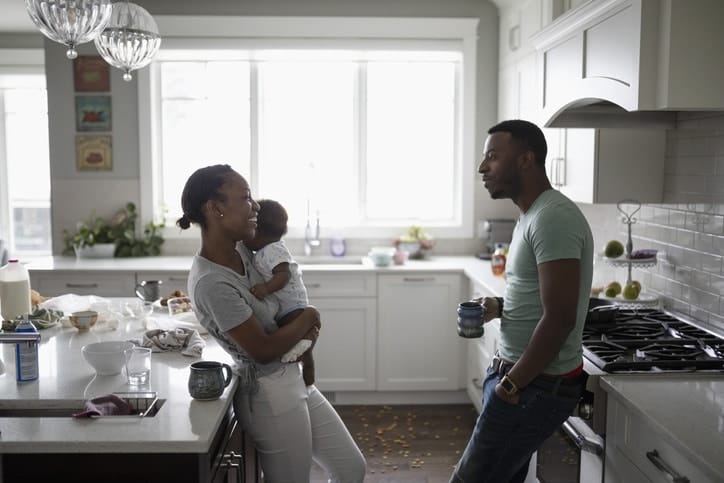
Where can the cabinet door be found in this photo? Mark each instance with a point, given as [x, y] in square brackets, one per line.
[104, 284]
[170, 281]
[344, 354]
[418, 345]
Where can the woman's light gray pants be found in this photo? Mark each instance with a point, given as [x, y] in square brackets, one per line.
[290, 424]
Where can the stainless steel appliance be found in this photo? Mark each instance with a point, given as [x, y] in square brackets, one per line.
[635, 342]
[497, 230]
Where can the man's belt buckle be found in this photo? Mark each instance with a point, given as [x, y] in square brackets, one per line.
[496, 363]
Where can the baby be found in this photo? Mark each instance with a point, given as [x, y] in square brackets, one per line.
[283, 278]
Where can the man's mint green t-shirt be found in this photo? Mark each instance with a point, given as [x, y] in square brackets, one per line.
[553, 228]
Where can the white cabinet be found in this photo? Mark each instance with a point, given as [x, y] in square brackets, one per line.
[607, 165]
[517, 24]
[635, 447]
[345, 351]
[641, 55]
[480, 352]
[418, 345]
[104, 284]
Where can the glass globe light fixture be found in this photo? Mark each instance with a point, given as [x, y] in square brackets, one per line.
[131, 39]
[70, 22]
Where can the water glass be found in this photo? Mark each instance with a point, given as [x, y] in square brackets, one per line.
[138, 365]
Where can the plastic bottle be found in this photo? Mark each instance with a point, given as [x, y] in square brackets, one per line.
[14, 290]
[26, 354]
[498, 259]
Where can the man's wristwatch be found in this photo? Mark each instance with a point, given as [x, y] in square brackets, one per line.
[509, 387]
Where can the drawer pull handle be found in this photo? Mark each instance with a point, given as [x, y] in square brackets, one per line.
[314, 285]
[670, 473]
[477, 383]
[176, 279]
[419, 279]
[81, 285]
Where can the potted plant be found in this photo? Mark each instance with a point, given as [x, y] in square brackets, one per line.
[100, 238]
[415, 242]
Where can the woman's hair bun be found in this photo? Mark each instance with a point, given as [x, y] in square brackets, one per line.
[184, 222]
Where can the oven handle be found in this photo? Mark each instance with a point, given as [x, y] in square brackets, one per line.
[583, 436]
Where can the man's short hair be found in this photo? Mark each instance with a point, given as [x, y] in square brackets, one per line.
[526, 134]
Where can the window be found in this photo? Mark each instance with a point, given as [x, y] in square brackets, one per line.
[24, 165]
[368, 135]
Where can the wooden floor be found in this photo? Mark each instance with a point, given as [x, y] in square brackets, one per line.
[408, 444]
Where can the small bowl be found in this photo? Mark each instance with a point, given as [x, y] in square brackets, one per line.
[380, 259]
[179, 305]
[107, 358]
[83, 320]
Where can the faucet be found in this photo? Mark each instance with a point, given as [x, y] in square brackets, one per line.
[311, 240]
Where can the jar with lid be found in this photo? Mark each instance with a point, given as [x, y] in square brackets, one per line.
[14, 290]
[498, 259]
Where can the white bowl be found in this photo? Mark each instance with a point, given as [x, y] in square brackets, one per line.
[106, 358]
[380, 259]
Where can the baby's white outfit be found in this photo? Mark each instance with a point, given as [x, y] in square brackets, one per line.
[292, 296]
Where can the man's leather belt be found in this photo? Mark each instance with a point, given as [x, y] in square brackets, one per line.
[563, 386]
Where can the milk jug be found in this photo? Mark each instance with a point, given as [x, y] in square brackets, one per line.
[14, 290]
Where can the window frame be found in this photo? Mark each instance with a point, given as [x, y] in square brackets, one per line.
[221, 33]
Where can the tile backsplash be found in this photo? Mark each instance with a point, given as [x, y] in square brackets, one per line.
[687, 228]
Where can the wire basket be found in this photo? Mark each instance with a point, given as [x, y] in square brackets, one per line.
[142, 404]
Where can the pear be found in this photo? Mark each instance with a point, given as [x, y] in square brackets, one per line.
[630, 291]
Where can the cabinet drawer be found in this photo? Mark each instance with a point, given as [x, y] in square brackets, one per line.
[171, 281]
[650, 452]
[340, 285]
[86, 283]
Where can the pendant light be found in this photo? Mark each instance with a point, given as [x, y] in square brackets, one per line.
[70, 22]
[130, 40]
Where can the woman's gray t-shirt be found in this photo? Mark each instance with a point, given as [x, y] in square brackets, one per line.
[222, 300]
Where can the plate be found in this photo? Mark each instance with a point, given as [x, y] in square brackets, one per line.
[644, 300]
[635, 262]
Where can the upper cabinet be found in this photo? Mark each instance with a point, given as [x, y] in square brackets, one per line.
[518, 23]
[613, 56]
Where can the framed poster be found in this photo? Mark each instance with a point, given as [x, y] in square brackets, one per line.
[93, 153]
[93, 113]
[91, 74]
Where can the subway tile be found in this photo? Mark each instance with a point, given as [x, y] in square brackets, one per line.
[710, 263]
[717, 320]
[673, 289]
[667, 270]
[715, 225]
[701, 280]
[685, 238]
[683, 275]
[716, 284]
[660, 216]
[682, 183]
[692, 144]
[698, 314]
[696, 165]
[686, 292]
[703, 242]
[658, 282]
[680, 306]
[677, 218]
[705, 300]
[646, 213]
[690, 258]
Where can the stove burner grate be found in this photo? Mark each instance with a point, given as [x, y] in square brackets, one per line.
[636, 331]
[682, 330]
[674, 352]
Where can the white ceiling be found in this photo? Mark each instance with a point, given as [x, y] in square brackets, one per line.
[14, 17]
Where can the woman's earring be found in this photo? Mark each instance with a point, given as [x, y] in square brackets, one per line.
[221, 215]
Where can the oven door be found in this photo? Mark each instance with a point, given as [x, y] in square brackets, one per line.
[590, 448]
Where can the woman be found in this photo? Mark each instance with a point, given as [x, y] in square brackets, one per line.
[290, 423]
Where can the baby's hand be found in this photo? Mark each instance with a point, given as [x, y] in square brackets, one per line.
[259, 291]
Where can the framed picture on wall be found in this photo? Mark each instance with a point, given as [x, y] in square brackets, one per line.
[93, 113]
[93, 153]
[91, 74]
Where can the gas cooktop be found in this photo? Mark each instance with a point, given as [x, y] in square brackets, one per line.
[649, 340]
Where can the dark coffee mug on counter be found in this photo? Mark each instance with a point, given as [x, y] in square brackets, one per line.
[149, 290]
[207, 380]
[470, 319]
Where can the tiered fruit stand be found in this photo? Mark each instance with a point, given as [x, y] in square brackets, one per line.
[629, 208]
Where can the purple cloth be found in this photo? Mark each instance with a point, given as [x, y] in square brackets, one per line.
[109, 405]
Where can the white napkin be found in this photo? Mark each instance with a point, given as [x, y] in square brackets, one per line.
[187, 341]
[296, 351]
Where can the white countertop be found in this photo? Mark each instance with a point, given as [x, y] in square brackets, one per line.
[475, 269]
[687, 409]
[182, 424]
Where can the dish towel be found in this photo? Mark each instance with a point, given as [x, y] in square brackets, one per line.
[108, 405]
[187, 341]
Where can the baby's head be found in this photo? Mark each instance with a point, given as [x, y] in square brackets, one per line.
[271, 224]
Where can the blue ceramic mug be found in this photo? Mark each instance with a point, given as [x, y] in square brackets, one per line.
[470, 319]
[207, 380]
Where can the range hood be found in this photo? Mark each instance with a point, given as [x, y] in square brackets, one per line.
[631, 63]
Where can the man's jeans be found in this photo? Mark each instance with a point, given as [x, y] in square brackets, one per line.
[506, 435]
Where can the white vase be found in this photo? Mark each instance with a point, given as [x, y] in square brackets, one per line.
[99, 250]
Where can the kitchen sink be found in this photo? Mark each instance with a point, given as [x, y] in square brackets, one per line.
[66, 408]
[328, 260]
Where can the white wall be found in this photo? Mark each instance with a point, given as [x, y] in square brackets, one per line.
[76, 194]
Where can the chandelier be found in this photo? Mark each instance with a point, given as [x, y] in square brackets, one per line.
[130, 40]
[125, 34]
[70, 22]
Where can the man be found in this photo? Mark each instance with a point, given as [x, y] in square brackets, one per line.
[536, 380]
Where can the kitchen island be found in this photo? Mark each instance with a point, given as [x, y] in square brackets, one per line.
[184, 441]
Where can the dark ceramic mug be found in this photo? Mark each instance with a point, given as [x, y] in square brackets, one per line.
[207, 380]
[470, 319]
